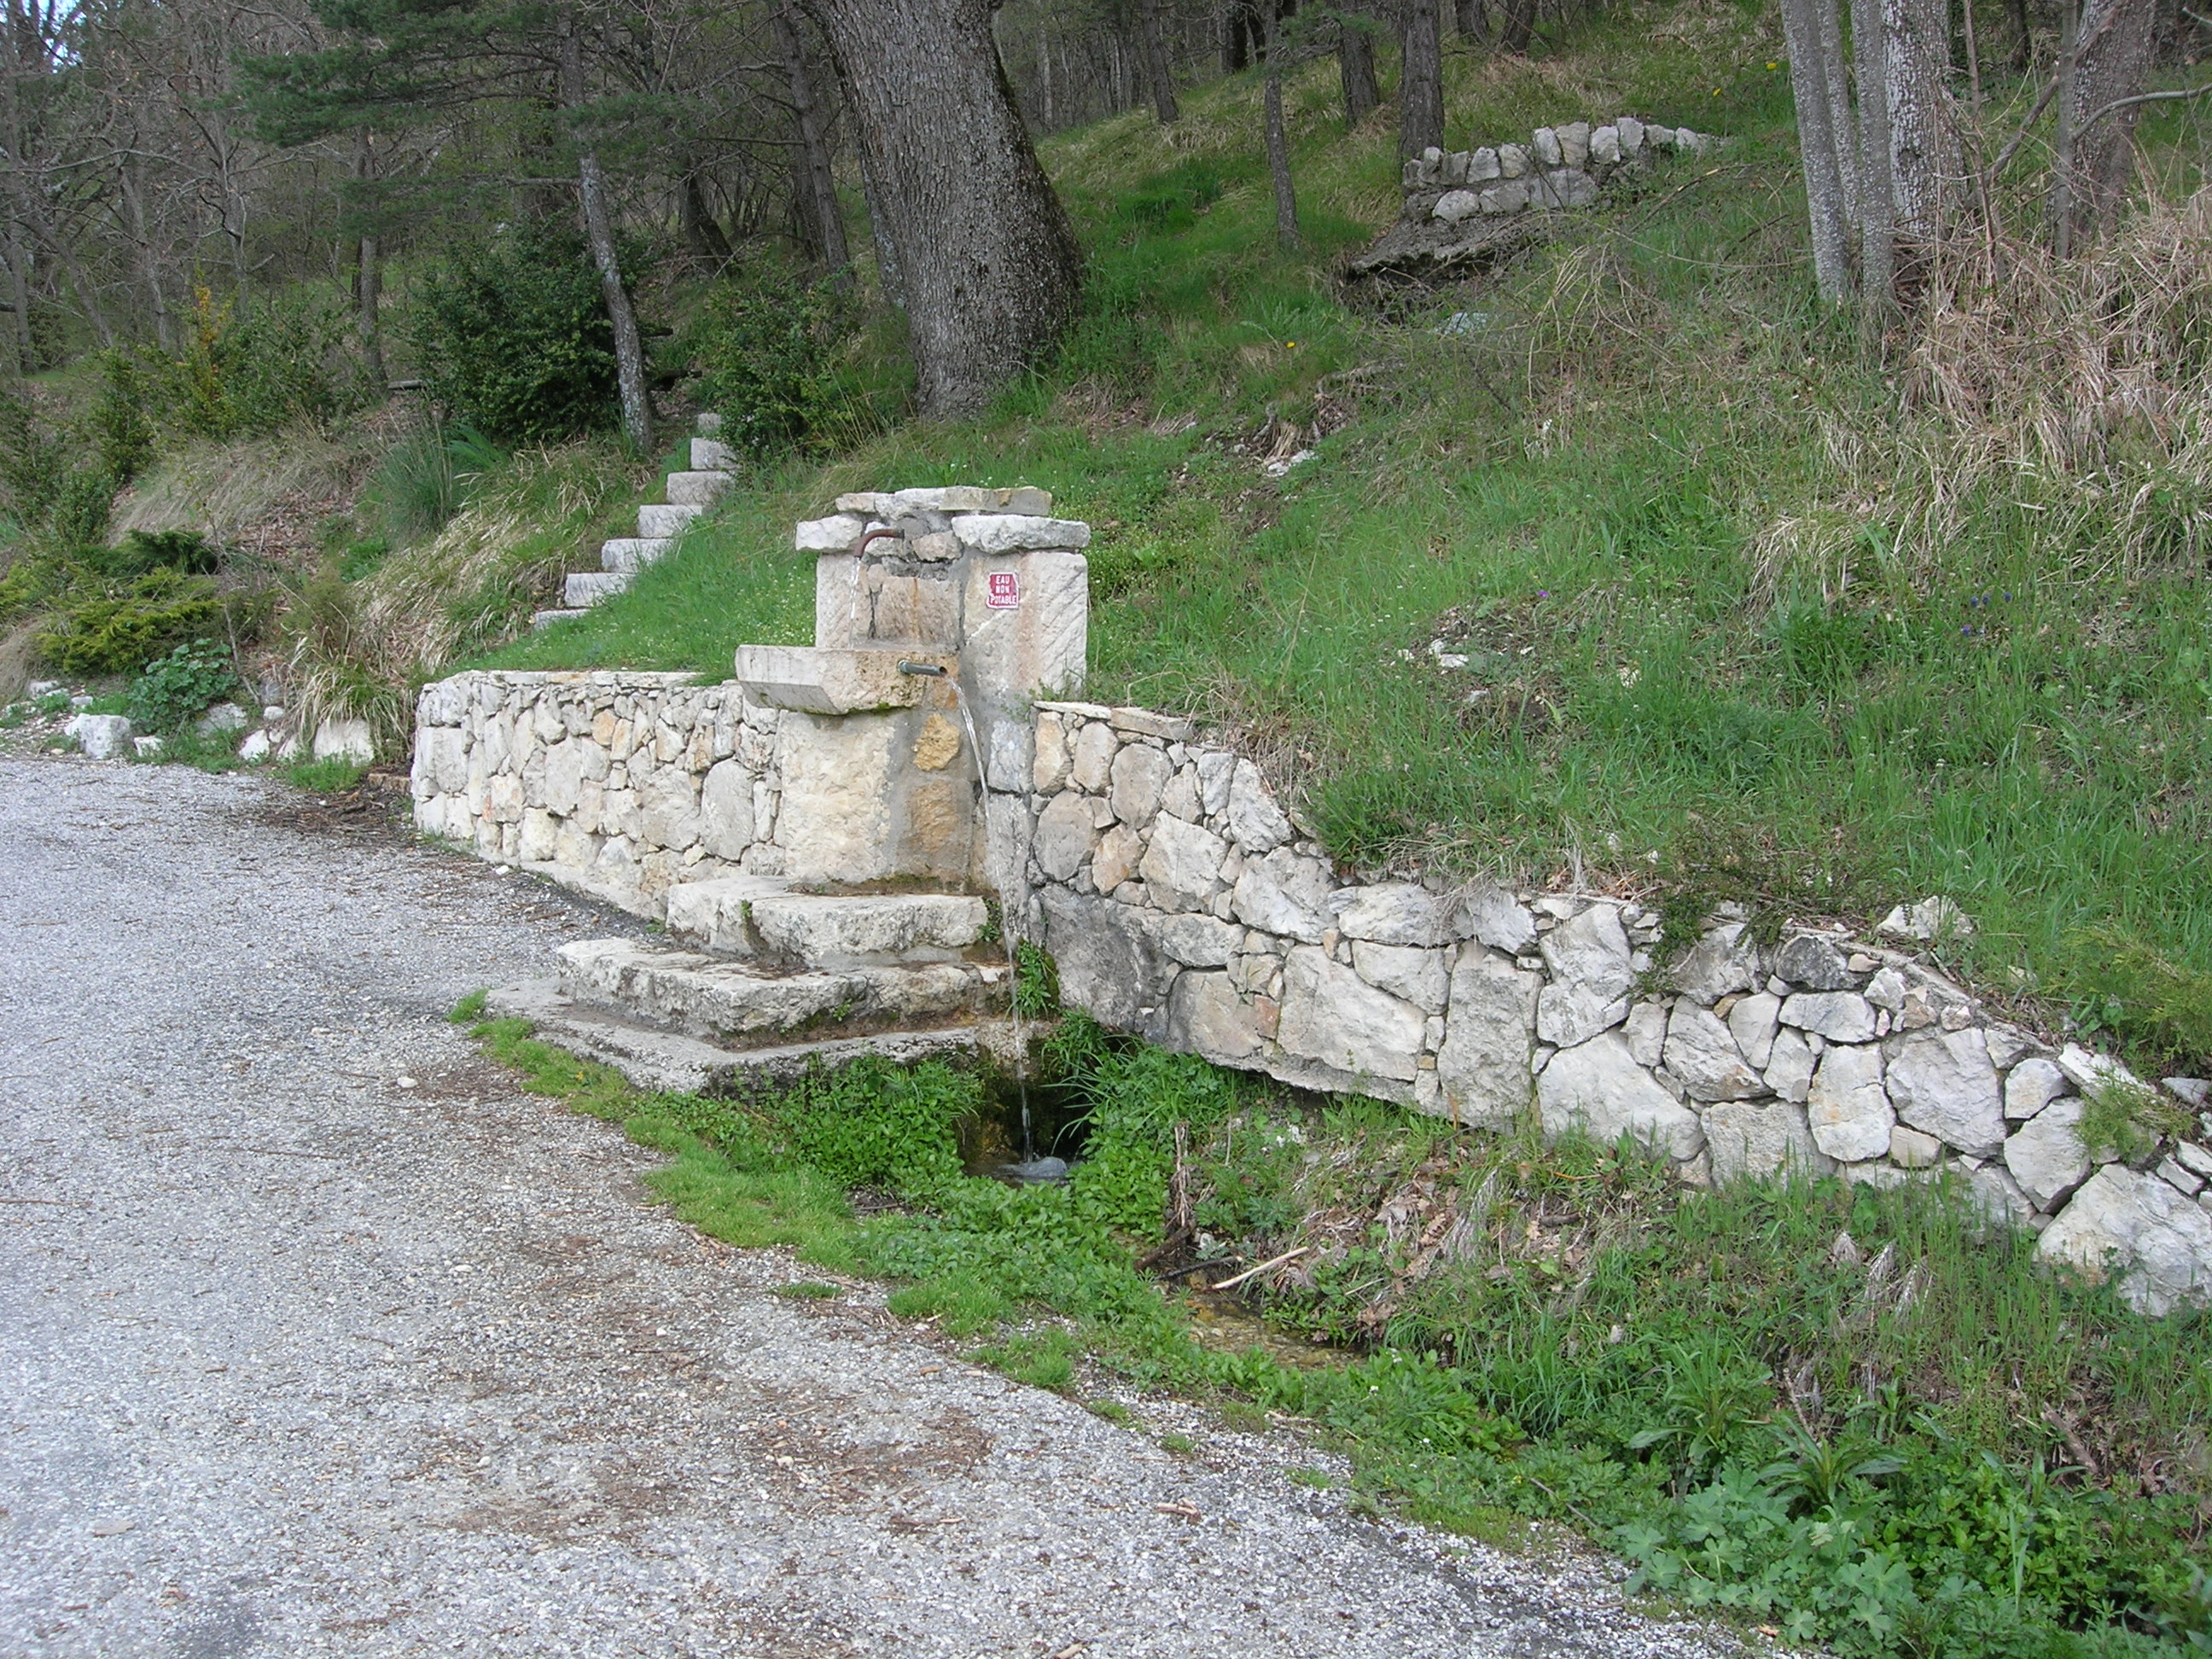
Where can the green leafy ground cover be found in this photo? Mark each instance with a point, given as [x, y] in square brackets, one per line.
[1835, 1413]
[1754, 607]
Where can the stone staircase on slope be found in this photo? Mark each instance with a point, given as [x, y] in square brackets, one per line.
[658, 525]
[772, 980]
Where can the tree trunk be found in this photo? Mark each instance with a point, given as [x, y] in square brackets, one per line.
[813, 176]
[1240, 25]
[1355, 62]
[702, 233]
[2023, 46]
[1278, 147]
[1838, 67]
[2109, 63]
[599, 232]
[1923, 149]
[1157, 68]
[887, 266]
[1520, 27]
[369, 274]
[1420, 82]
[986, 254]
[1816, 144]
[1466, 17]
[1877, 208]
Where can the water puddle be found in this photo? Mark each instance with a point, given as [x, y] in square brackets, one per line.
[991, 1140]
[1218, 1321]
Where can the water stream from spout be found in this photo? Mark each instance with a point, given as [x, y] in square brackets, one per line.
[1008, 908]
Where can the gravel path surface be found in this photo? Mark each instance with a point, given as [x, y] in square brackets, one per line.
[318, 1336]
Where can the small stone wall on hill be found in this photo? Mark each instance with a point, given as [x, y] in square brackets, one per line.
[1467, 207]
[1181, 902]
[1558, 168]
[617, 783]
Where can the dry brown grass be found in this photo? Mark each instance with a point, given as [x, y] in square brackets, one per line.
[2078, 391]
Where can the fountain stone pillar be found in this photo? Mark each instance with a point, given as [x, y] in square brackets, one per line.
[882, 778]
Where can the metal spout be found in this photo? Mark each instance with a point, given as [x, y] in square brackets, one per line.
[908, 666]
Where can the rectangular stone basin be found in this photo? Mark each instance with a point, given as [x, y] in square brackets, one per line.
[826, 680]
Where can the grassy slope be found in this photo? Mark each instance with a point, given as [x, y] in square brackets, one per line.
[1630, 498]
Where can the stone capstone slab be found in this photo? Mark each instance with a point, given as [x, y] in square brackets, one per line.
[1597, 1088]
[2157, 1244]
[1395, 913]
[1814, 963]
[1725, 960]
[822, 680]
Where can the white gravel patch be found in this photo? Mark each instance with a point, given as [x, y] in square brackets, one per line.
[318, 1337]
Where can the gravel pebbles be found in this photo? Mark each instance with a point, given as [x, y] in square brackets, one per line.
[318, 1337]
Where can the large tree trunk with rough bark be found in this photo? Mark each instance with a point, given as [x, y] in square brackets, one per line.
[1877, 205]
[1421, 82]
[1157, 70]
[2108, 65]
[1809, 85]
[1923, 138]
[599, 233]
[816, 188]
[1355, 63]
[985, 256]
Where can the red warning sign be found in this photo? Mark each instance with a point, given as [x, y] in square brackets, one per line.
[1004, 590]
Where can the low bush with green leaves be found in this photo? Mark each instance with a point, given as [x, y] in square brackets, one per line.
[514, 336]
[291, 357]
[771, 353]
[179, 687]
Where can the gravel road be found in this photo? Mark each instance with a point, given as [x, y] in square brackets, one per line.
[317, 1336]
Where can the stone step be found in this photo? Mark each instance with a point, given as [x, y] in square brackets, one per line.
[698, 488]
[657, 523]
[746, 1006]
[712, 455]
[632, 553]
[547, 618]
[759, 918]
[589, 587]
[652, 1058]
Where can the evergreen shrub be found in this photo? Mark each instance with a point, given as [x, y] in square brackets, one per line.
[513, 337]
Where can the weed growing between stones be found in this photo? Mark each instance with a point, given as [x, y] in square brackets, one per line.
[1842, 1414]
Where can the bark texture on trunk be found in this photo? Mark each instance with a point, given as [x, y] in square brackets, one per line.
[1420, 82]
[1466, 17]
[1838, 68]
[367, 275]
[1279, 148]
[1520, 26]
[599, 232]
[2110, 63]
[1816, 143]
[816, 186]
[1240, 35]
[1923, 144]
[985, 256]
[1355, 63]
[1157, 70]
[1877, 207]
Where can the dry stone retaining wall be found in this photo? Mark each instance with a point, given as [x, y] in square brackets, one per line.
[1182, 902]
[621, 784]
